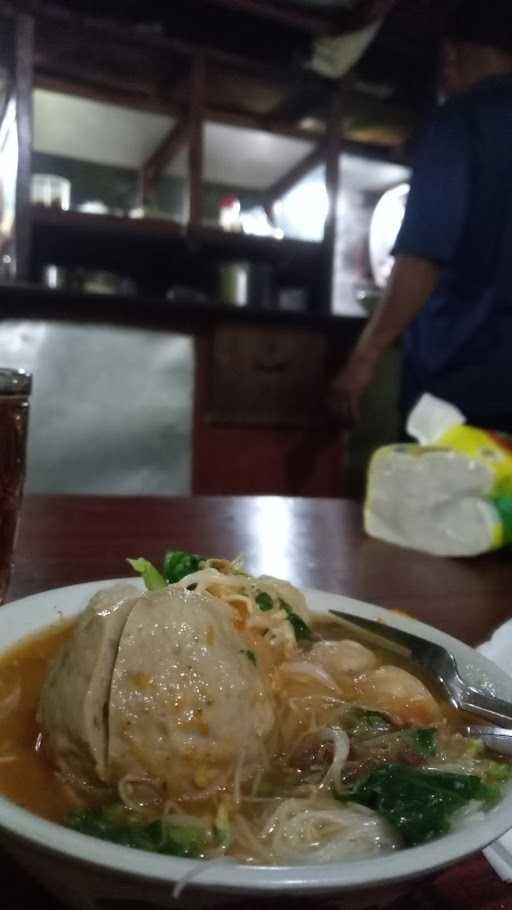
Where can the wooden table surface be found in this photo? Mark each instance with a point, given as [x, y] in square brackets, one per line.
[314, 543]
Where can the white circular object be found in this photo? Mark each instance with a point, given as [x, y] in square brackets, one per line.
[385, 225]
[65, 860]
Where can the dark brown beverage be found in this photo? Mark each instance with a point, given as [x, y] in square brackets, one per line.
[14, 408]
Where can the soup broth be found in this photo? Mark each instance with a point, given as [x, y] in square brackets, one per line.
[216, 715]
[26, 774]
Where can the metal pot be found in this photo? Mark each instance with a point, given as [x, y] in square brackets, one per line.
[243, 283]
[233, 283]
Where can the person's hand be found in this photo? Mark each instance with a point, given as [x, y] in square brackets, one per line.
[349, 386]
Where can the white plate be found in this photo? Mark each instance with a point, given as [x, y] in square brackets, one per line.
[24, 617]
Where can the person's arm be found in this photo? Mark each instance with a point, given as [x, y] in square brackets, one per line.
[435, 217]
[411, 283]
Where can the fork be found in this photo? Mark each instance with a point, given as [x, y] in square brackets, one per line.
[441, 664]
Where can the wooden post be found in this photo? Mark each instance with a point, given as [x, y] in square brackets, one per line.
[170, 146]
[332, 184]
[24, 77]
[7, 129]
[294, 175]
[195, 149]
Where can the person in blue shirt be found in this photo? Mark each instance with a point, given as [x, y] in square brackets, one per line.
[450, 291]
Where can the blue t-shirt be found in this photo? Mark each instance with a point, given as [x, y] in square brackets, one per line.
[459, 214]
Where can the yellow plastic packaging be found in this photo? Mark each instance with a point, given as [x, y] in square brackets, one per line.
[449, 495]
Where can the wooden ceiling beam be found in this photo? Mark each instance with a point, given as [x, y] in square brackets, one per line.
[141, 101]
[23, 86]
[104, 32]
[313, 23]
[369, 11]
[151, 104]
[78, 54]
[95, 91]
[266, 125]
[303, 100]
[196, 144]
[332, 186]
[170, 146]
[303, 167]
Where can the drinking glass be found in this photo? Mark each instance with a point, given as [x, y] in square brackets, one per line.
[15, 388]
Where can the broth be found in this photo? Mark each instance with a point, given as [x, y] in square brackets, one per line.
[26, 775]
[215, 715]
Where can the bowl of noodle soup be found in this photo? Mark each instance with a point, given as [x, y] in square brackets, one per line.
[280, 782]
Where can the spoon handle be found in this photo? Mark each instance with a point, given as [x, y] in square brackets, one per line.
[496, 739]
[487, 706]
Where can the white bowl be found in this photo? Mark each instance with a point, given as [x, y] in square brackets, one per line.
[85, 872]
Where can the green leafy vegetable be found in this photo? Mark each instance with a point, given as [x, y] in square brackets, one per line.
[264, 601]
[498, 773]
[251, 655]
[301, 629]
[152, 578]
[117, 824]
[422, 741]
[179, 563]
[360, 722]
[419, 803]
[222, 827]
[471, 747]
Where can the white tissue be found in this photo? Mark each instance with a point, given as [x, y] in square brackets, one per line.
[431, 418]
[499, 649]
[432, 496]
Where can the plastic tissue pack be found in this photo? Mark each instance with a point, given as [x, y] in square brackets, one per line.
[450, 494]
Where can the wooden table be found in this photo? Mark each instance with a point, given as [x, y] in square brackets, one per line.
[314, 543]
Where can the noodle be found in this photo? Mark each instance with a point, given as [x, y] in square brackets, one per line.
[139, 793]
[341, 751]
[249, 729]
[319, 831]
[197, 870]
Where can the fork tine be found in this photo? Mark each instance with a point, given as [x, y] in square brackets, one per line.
[403, 643]
[440, 663]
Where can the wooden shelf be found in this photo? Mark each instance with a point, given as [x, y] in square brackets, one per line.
[47, 217]
[22, 300]
[159, 252]
[146, 250]
[209, 238]
[217, 242]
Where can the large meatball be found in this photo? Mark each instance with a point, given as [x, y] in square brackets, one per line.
[189, 706]
[158, 687]
[75, 694]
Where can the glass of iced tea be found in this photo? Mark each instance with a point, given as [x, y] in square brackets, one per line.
[15, 387]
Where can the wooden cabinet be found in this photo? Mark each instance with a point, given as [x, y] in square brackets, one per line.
[261, 423]
[266, 376]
